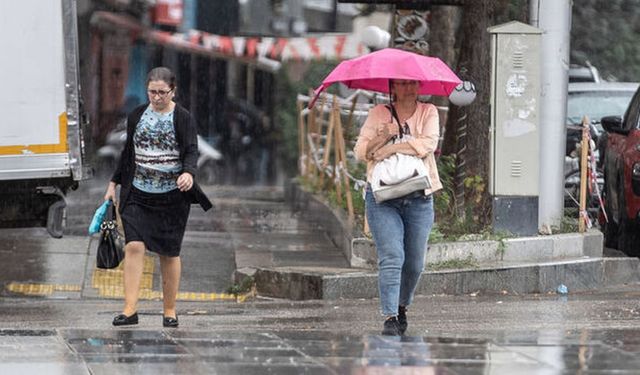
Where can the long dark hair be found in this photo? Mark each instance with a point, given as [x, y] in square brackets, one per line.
[162, 74]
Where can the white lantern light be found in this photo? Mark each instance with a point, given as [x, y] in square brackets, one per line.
[375, 38]
[463, 94]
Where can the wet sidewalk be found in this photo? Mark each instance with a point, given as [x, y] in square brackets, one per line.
[579, 334]
[72, 352]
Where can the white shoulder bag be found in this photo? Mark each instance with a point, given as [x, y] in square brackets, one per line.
[399, 174]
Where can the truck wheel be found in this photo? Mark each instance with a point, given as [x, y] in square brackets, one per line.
[56, 218]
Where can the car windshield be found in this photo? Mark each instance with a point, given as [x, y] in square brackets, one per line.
[596, 104]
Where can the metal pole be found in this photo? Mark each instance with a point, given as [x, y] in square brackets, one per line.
[534, 9]
[554, 18]
[334, 17]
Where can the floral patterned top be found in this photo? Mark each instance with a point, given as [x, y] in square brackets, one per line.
[157, 158]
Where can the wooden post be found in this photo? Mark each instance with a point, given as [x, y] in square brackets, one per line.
[301, 135]
[316, 135]
[311, 128]
[311, 120]
[583, 175]
[343, 165]
[366, 229]
[347, 129]
[327, 143]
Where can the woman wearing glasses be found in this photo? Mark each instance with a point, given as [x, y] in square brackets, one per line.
[156, 177]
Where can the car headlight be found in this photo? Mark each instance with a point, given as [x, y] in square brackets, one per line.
[635, 172]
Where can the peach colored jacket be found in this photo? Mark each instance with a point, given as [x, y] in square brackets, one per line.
[425, 129]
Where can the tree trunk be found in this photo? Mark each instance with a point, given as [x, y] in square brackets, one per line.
[475, 61]
[445, 21]
[444, 24]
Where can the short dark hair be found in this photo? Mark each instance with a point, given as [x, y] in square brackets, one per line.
[162, 74]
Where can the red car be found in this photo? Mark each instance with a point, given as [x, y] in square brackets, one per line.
[622, 179]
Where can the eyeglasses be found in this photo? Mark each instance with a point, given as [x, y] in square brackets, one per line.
[160, 93]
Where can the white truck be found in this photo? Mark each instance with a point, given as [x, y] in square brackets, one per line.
[41, 130]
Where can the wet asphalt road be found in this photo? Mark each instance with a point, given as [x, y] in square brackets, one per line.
[56, 311]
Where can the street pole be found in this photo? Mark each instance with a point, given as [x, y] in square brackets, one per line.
[554, 18]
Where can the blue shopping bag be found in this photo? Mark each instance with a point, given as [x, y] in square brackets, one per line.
[98, 217]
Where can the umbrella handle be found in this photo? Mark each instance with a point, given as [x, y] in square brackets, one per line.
[318, 91]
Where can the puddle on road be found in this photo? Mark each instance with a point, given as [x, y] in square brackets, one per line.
[549, 352]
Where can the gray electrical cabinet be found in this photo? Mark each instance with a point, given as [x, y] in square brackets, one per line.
[515, 150]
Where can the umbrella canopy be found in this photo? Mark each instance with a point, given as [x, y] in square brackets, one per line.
[374, 70]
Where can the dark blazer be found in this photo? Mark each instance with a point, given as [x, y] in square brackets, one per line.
[187, 138]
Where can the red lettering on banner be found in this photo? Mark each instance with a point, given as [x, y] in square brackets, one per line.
[313, 45]
[340, 39]
[277, 49]
[226, 45]
[252, 45]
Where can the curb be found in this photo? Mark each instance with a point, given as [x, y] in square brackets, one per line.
[578, 275]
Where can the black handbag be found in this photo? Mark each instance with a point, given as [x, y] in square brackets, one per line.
[111, 245]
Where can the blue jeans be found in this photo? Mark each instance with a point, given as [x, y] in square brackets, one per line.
[400, 229]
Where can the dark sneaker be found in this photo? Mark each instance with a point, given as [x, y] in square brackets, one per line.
[402, 319]
[391, 327]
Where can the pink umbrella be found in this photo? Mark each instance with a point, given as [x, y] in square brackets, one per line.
[374, 70]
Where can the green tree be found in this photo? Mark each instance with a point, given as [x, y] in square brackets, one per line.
[606, 33]
[286, 112]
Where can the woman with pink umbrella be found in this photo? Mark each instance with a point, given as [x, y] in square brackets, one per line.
[400, 226]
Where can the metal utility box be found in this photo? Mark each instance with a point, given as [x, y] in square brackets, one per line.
[515, 92]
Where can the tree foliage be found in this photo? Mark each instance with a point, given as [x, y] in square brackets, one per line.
[606, 33]
[286, 111]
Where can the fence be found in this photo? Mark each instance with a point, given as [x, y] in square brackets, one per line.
[323, 143]
[324, 159]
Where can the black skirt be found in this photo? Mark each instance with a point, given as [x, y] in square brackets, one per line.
[158, 220]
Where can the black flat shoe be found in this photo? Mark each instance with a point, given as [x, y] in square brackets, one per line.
[168, 321]
[123, 320]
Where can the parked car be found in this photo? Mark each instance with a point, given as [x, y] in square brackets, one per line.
[583, 73]
[594, 100]
[622, 179]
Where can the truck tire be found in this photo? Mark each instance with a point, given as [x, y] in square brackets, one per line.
[56, 218]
